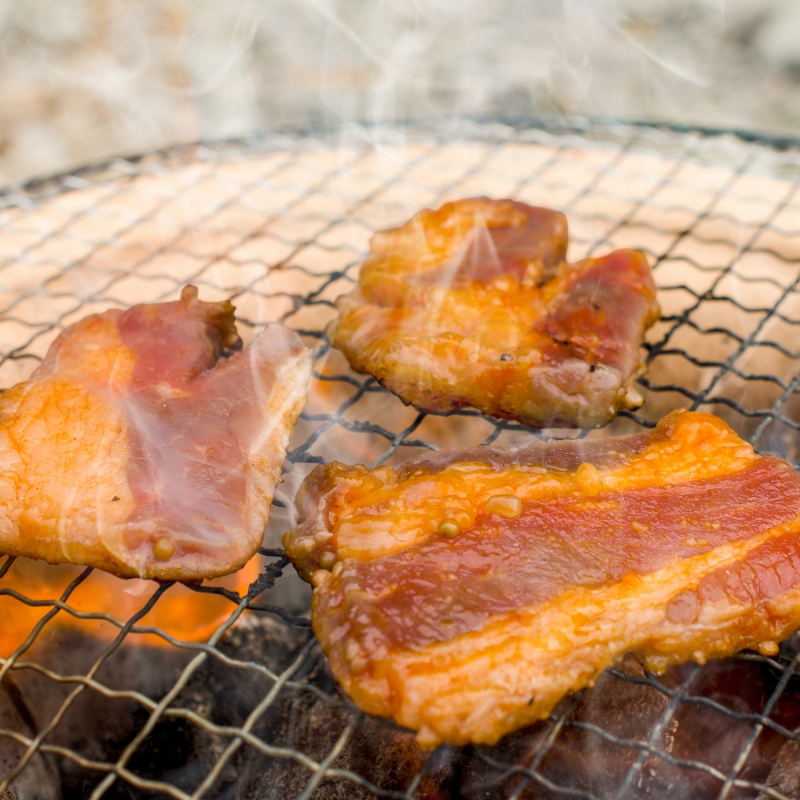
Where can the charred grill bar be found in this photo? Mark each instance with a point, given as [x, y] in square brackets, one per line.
[120, 704]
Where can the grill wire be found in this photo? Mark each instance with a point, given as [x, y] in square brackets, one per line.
[280, 224]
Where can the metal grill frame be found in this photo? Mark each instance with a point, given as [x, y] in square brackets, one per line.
[778, 160]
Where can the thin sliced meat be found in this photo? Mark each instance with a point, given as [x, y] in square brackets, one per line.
[473, 305]
[149, 443]
[466, 593]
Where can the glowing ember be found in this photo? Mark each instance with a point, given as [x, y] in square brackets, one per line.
[180, 612]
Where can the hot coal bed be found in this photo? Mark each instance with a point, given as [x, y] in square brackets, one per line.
[129, 689]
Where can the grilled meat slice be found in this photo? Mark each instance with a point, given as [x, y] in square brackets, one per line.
[466, 593]
[474, 305]
[137, 448]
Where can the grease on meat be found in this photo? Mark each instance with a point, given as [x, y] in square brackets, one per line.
[473, 304]
[466, 593]
[138, 448]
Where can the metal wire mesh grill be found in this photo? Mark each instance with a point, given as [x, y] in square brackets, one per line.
[280, 225]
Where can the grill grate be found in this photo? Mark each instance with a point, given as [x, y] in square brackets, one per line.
[721, 221]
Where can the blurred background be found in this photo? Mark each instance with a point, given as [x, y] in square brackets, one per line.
[81, 80]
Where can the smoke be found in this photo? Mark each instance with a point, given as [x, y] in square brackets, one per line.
[330, 61]
[84, 79]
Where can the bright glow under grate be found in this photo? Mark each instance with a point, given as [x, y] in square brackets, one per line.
[280, 226]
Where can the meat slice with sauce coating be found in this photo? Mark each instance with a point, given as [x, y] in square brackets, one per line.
[149, 443]
[474, 305]
[466, 593]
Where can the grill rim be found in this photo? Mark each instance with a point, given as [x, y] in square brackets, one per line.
[50, 184]
[195, 152]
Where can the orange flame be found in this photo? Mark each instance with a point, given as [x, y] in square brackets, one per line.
[180, 612]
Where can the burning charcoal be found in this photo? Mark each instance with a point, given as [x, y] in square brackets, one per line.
[176, 750]
[626, 706]
[311, 723]
[486, 772]
[95, 726]
[39, 780]
[622, 708]
[620, 705]
[782, 755]
[443, 774]
[705, 734]
[226, 695]
[784, 776]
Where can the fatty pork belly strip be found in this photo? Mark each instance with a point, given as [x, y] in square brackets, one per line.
[149, 443]
[473, 304]
[465, 594]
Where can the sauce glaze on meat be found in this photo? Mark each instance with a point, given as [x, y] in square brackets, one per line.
[473, 304]
[466, 593]
[149, 443]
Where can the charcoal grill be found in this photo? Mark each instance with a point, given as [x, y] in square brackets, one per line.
[279, 224]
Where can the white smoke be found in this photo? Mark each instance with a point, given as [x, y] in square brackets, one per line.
[82, 81]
